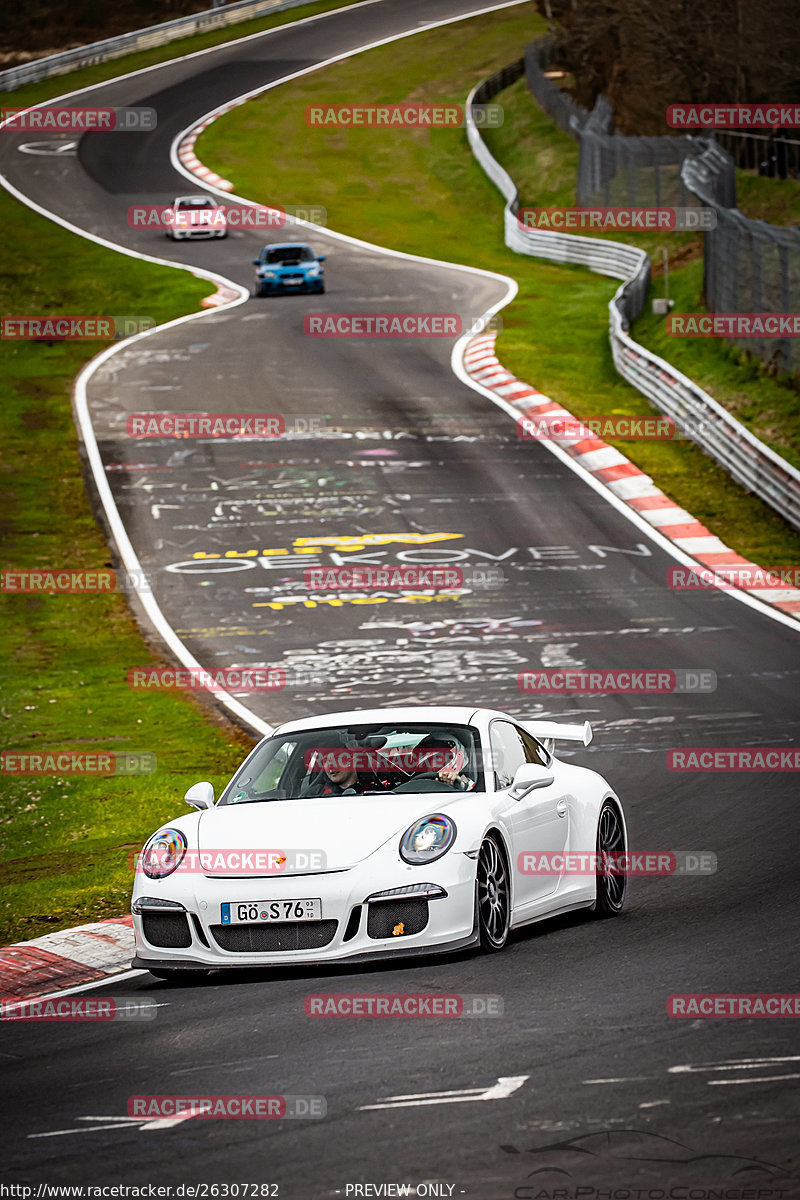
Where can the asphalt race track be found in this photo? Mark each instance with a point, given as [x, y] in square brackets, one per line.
[585, 1047]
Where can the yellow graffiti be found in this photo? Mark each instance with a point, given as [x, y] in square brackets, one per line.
[334, 602]
[345, 544]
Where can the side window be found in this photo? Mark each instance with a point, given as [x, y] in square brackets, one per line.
[508, 752]
[534, 753]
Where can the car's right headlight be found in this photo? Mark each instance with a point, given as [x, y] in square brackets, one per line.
[427, 840]
[163, 853]
[268, 274]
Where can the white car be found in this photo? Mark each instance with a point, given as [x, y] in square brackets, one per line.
[378, 833]
[196, 217]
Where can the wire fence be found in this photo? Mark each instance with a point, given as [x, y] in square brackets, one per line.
[698, 415]
[776, 157]
[749, 265]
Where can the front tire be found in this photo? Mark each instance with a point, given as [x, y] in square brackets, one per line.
[611, 888]
[492, 897]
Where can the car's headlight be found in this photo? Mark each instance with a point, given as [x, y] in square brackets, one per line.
[163, 853]
[268, 274]
[427, 840]
[313, 270]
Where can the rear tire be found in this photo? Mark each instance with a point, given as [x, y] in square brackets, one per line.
[611, 888]
[492, 897]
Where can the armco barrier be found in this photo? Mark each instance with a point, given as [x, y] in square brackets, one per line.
[698, 415]
[139, 39]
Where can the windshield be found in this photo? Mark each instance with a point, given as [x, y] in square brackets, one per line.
[199, 202]
[375, 759]
[288, 254]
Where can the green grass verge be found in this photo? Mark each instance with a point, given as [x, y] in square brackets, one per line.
[421, 191]
[59, 85]
[64, 841]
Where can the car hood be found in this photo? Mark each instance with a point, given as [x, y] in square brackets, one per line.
[347, 829]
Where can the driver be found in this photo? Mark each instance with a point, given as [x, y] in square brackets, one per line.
[430, 752]
[330, 777]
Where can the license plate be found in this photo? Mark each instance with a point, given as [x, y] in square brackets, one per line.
[262, 912]
[293, 282]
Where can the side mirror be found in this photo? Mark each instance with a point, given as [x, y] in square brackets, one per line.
[528, 778]
[320, 258]
[256, 262]
[200, 795]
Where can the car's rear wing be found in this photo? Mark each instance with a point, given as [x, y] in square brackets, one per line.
[551, 731]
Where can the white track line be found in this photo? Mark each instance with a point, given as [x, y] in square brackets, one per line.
[124, 546]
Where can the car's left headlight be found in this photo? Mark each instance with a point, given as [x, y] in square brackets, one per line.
[163, 853]
[268, 274]
[427, 840]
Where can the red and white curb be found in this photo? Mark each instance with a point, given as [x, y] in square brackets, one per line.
[627, 481]
[192, 163]
[70, 958]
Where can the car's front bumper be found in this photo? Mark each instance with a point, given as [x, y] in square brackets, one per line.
[352, 926]
[311, 284]
[200, 231]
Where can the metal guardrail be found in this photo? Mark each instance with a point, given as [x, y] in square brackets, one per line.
[139, 39]
[701, 418]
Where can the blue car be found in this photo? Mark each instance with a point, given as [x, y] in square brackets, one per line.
[289, 267]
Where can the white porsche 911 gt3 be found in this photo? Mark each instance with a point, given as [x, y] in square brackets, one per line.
[375, 833]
